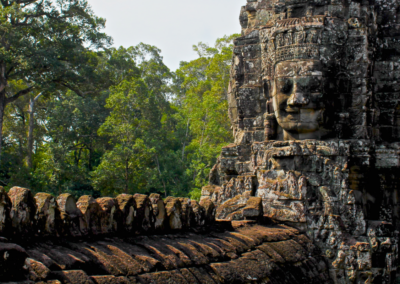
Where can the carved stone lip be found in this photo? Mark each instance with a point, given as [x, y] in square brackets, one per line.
[292, 109]
[298, 109]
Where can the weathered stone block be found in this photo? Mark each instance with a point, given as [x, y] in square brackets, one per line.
[127, 206]
[73, 277]
[23, 211]
[5, 209]
[210, 210]
[12, 261]
[159, 211]
[144, 213]
[37, 270]
[70, 215]
[253, 209]
[110, 215]
[187, 212]
[197, 218]
[173, 207]
[48, 219]
[92, 214]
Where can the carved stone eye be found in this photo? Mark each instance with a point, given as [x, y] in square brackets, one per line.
[286, 86]
[315, 85]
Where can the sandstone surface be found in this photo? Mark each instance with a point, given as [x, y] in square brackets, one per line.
[190, 247]
[308, 192]
[314, 107]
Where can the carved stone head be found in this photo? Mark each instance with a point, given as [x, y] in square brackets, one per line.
[326, 73]
[355, 47]
[300, 94]
[299, 99]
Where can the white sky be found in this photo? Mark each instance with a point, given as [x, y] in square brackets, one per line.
[171, 25]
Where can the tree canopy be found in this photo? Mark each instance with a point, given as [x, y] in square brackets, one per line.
[79, 116]
[46, 45]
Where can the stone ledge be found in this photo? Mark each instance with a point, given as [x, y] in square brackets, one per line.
[249, 254]
[24, 217]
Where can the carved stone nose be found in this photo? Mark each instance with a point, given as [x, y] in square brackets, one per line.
[298, 99]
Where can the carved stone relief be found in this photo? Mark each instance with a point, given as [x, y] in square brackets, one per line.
[316, 129]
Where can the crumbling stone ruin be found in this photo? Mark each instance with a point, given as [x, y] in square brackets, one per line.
[307, 193]
[314, 106]
[144, 239]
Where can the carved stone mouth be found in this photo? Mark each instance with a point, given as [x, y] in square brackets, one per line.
[298, 109]
[292, 110]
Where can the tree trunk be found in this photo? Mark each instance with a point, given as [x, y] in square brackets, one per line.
[90, 167]
[162, 180]
[184, 142]
[30, 133]
[31, 126]
[2, 109]
[126, 175]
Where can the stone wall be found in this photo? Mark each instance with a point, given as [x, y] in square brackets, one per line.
[247, 254]
[358, 41]
[314, 106]
[24, 216]
[341, 194]
[145, 239]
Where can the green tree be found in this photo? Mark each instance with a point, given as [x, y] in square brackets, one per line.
[143, 131]
[46, 45]
[202, 86]
[73, 147]
[119, 121]
[158, 78]
[123, 168]
[65, 135]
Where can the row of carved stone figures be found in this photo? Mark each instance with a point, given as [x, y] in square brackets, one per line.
[23, 216]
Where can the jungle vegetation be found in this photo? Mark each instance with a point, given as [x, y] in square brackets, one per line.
[80, 116]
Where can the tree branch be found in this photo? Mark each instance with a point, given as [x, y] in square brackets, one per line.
[78, 92]
[19, 94]
[32, 103]
[5, 3]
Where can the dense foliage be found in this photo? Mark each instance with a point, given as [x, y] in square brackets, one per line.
[84, 118]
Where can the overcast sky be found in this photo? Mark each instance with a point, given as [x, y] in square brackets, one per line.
[171, 25]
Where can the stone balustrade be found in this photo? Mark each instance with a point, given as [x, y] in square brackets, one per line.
[24, 216]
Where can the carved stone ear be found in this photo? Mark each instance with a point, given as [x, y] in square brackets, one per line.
[270, 125]
[243, 18]
[267, 84]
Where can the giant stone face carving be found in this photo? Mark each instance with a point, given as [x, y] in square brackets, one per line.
[299, 99]
[314, 102]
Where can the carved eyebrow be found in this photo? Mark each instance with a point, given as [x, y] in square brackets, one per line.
[299, 70]
[290, 75]
[305, 74]
[310, 72]
[316, 73]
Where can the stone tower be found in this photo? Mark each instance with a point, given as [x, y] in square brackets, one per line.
[314, 106]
